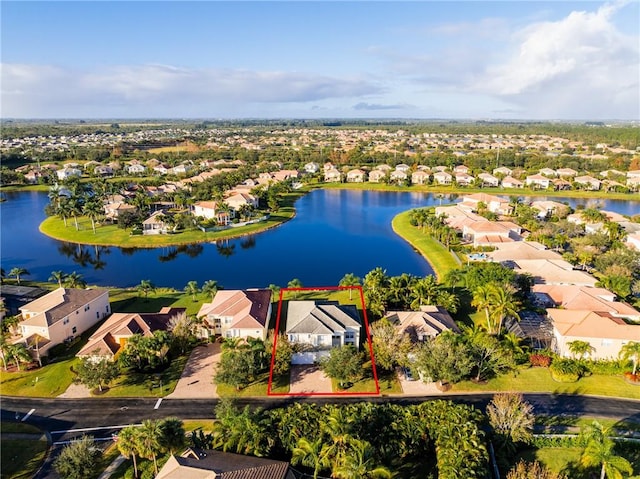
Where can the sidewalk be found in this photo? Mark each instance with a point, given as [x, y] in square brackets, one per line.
[111, 468]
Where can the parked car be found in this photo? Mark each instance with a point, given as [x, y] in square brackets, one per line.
[407, 374]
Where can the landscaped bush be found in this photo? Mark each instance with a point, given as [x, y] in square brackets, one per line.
[540, 360]
[607, 367]
[540, 442]
[634, 378]
[566, 370]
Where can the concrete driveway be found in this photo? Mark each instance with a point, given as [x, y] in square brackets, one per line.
[308, 379]
[196, 380]
[417, 387]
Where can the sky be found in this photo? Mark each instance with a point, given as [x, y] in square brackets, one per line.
[528, 60]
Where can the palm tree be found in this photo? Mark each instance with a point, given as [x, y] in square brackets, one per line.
[146, 287]
[349, 280]
[275, 291]
[64, 209]
[17, 272]
[295, 283]
[18, 353]
[4, 348]
[424, 291]
[631, 351]
[74, 280]
[58, 276]
[149, 441]
[580, 349]
[482, 300]
[210, 287]
[172, 435]
[592, 215]
[93, 210]
[128, 439]
[192, 289]
[600, 452]
[3, 275]
[360, 462]
[311, 454]
[504, 304]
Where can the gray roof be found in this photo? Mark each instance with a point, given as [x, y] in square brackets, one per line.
[315, 317]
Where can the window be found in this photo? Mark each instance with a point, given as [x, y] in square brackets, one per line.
[349, 335]
[74, 330]
[87, 307]
[607, 342]
[65, 321]
[107, 308]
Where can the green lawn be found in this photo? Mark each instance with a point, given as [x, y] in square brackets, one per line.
[555, 458]
[21, 458]
[18, 427]
[257, 388]
[49, 381]
[440, 259]
[129, 300]
[539, 380]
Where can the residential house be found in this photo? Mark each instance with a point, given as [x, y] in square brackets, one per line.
[319, 326]
[503, 171]
[156, 224]
[461, 169]
[113, 210]
[560, 184]
[510, 182]
[161, 169]
[442, 178]
[612, 174]
[420, 177]
[135, 168]
[103, 170]
[62, 314]
[518, 250]
[403, 167]
[355, 176]
[589, 182]
[311, 167]
[33, 177]
[495, 204]
[464, 179]
[552, 271]
[68, 172]
[212, 464]
[429, 322]
[488, 180]
[548, 172]
[238, 200]
[605, 333]
[537, 181]
[566, 172]
[236, 313]
[491, 232]
[212, 210]
[332, 176]
[398, 176]
[113, 335]
[549, 208]
[633, 182]
[377, 176]
[282, 175]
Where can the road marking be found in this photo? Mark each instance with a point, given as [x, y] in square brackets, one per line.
[26, 416]
[85, 429]
[158, 403]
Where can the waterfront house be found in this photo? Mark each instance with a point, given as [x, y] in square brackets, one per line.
[355, 176]
[420, 177]
[495, 204]
[442, 178]
[464, 179]
[588, 182]
[548, 172]
[377, 176]
[510, 182]
[212, 210]
[398, 176]
[319, 326]
[429, 322]
[237, 313]
[566, 172]
[503, 171]
[332, 176]
[113, 335]
[537, 181]
[488, 180]
[156, 224]
[61, 315]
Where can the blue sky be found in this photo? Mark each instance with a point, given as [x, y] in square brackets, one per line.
[303, 59]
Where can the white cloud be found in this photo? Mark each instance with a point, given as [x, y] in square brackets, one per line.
[36, 90]
[580, 66]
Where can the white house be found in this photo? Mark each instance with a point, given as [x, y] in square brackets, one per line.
[442, 178]
[332, 176]
[210, 210]
[355, 176]
[237, 314]
[419, 177]
[510, 182]
[488, 180]
[65, 173]
[589, 182]
[135, 168]
[377, 175]
[60, 315]
[319, 326]
[311, 167]
[538, 181]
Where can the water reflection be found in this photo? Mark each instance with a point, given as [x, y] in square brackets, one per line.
[82, 254]
[248, 243]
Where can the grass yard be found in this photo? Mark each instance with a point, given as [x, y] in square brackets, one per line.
[49, 381]
[440, 259]
[539, 380]
[194, 424]
[21, 458]
[555, 458]
[129, 300]
[257, 388]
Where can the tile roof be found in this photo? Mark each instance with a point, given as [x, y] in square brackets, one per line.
[249, 308]
[592, 324]
[430, 321]
[57, 304]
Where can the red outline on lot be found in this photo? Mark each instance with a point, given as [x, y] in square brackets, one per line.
[366, 327]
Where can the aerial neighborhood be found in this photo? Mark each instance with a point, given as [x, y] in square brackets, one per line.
[527, 289]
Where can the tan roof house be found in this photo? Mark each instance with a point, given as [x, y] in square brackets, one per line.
[63, 314]
[566, 172]
[519, 250]
[211, 210]
[377, 175]
[487, 179]
[589, 182]
[491, 232]
[237, 314]
[538, 181]
[398, 176]
[548, 208]
[156, 224]
[211, 464]
[510, 182]
[419, 177]
[116, 331]
[356, 176]
[429, 322]
[332, 175]
[550, 271]
[442, 178]
[319, 326]
[605, 333]
[548, 172]
[495, 204]
[238, 200]
[464, 179]
[502, 170]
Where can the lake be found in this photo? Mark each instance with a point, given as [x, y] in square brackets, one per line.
[334, 232]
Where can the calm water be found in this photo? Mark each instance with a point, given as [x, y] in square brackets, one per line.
[334, 232]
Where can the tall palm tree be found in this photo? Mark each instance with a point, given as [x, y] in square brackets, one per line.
[275, 291]
[210, 287]
[360, 462]
[172, 434]
[18, 353]
[128, 439]
[58, 276]
[311, 454]
[482, 300]
[146, 287]
[74, 280]
[295, 283]
[192, 289]
[92, 208]
[424, 291]
[4, 348]
[631, 351]
[149, 441]
[504, 304]
[600, 452]
[17, 272]
[349, 280]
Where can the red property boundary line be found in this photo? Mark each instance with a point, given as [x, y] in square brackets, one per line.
[369, 343]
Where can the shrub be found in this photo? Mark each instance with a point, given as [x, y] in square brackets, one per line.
[566, 370]
[629, 376]
[607, 367]
[540, 360]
